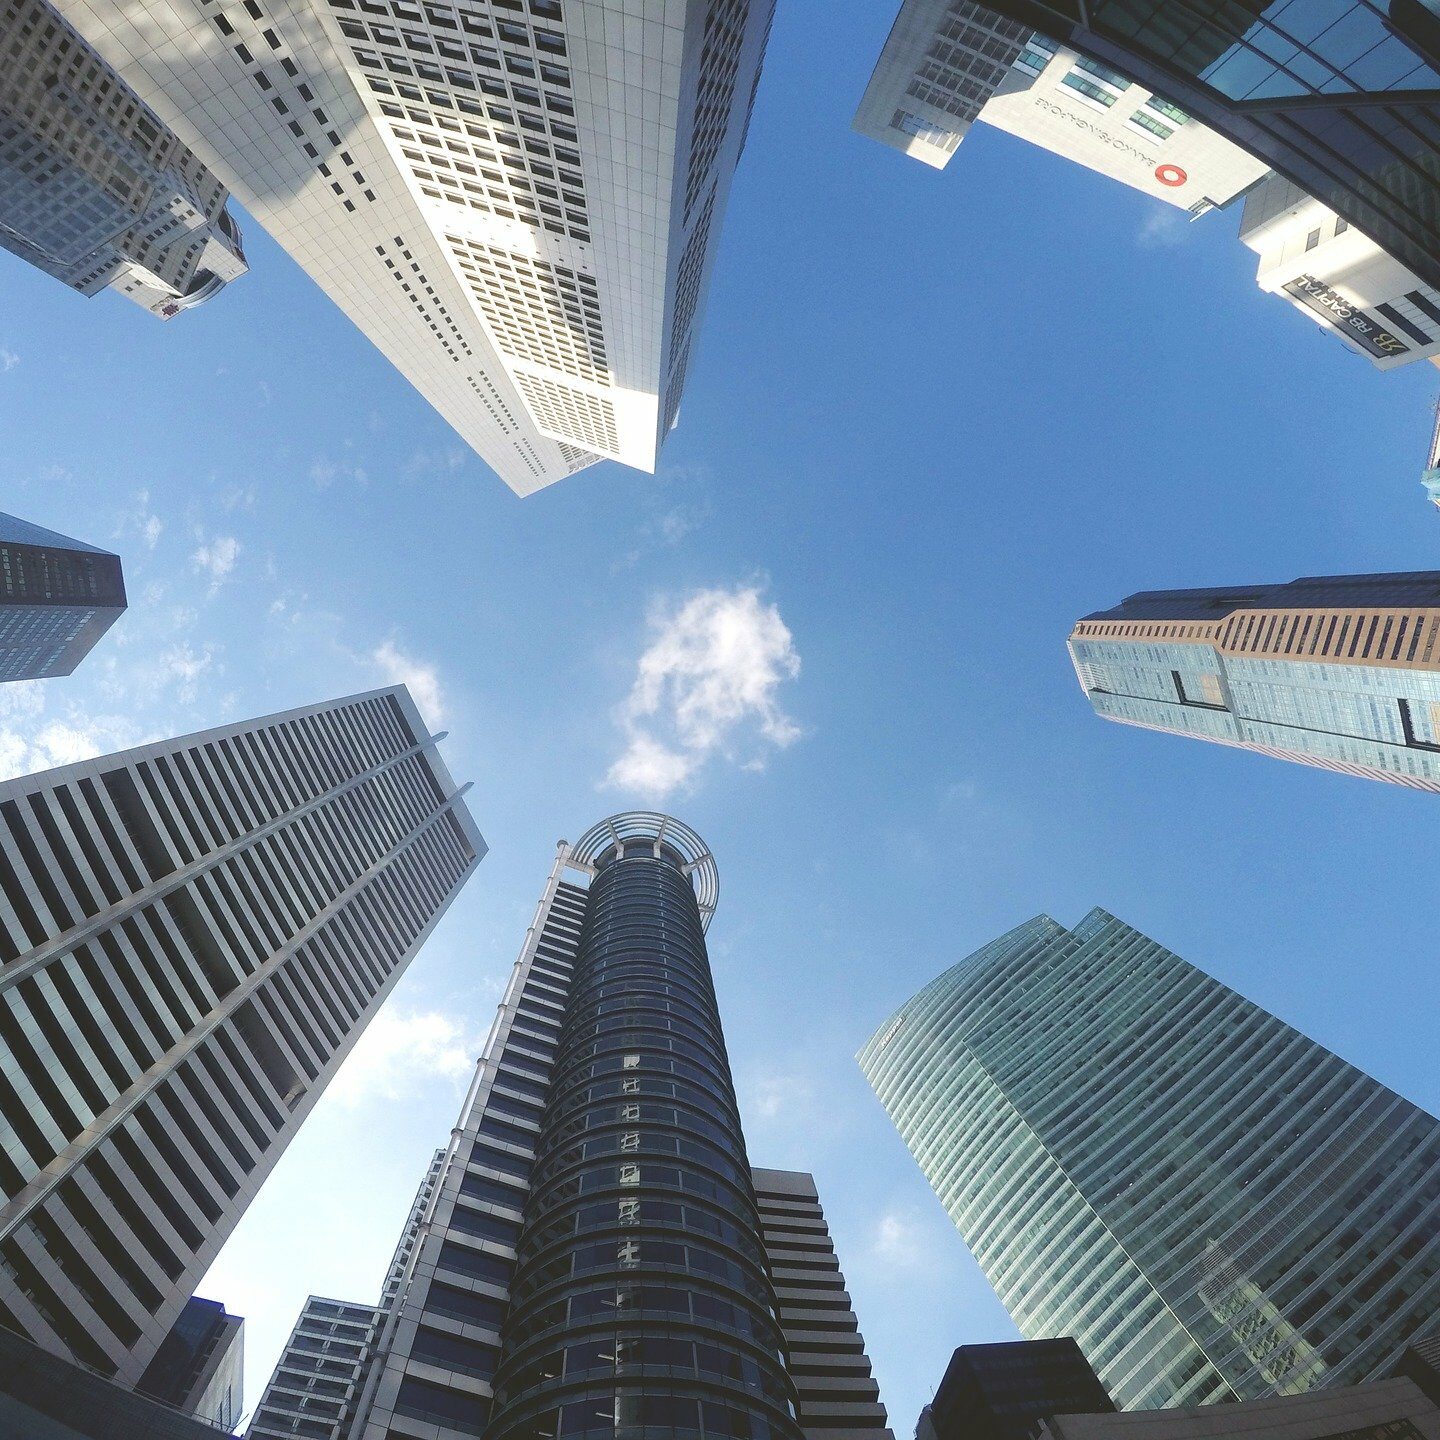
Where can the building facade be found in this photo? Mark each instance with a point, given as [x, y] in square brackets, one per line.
[199, 1368]
[316, 1379]
[193, 935]
[94, 188]
[57, 598]
[1213, 1205]
[1007, 1391]
[1336, 671]
[1341, 99]
[1393, 1409]
[947, 64]
[837, 1396]
[597, 1252]
[1430, 477]
[45, 1397]
[1339, 277]
[518, 206]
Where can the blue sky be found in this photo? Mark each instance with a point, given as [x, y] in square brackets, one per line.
[934, 419]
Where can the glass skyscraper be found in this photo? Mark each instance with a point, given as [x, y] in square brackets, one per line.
[598, 1257]
[1343, 98]
[1338, 671]
[1215, 1206]
[58, 596]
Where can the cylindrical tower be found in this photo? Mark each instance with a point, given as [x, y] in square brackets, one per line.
[641, 1298]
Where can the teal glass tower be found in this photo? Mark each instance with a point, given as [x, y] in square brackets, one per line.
[1215, 1206]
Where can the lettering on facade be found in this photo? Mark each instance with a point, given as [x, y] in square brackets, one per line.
[889, 1032]
[1342, 315]
[1080, 122]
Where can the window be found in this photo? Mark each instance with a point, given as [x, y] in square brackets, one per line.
[1312, 239]
[1089, 89]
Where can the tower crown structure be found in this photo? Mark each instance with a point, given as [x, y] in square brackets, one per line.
[638, 832]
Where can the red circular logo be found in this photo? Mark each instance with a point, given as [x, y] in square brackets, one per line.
[1170, 175]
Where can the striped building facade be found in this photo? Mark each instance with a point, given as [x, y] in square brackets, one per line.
[838, 1397]
[192, 935]
[1336, 671]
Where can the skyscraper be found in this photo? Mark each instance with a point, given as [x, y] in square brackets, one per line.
[316, 1378]
[1338, 671]
[57, 598]
[1342, 99]
[1340, 277]
[948, 63]
[1213, 1205]
[193, 934]
[518, 205]
[200, 1365]
[313, 1389]
[594, 1256]
[838, 1398]
[94, 188]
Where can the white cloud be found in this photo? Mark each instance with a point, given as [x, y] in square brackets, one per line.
[32, 740]
[216, 559]
[707, 681]
[326, 472]
[240, 497]
[1163, 229]
[774, 1095]
[399, 1053]
[8, 359]
[422, 679]
[139, 519]
[899, 1240]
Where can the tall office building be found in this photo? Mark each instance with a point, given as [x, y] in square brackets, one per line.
[1338, 671]
[1006, 1391]
[199, 1368]
[193, 934]
[597, 1254]
[1339, 277]
[94, 188]
[315, 1383]
[518, 204]
[837, 1396]
[1213, 1205]
[57, 598]
[1341, 99]
[948, 63]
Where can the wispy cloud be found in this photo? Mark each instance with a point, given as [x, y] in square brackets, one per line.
[1163, 229]
[216, 558]
[138, 518]
[34, 737]
[706, 684]
[401, 1052]
[8, 359]
[421, 677]
[776, 1094]
[324, 473]
[900, 1240]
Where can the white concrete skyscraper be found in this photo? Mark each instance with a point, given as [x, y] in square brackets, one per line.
[94, 189]
[517, 201]
[193, 934]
